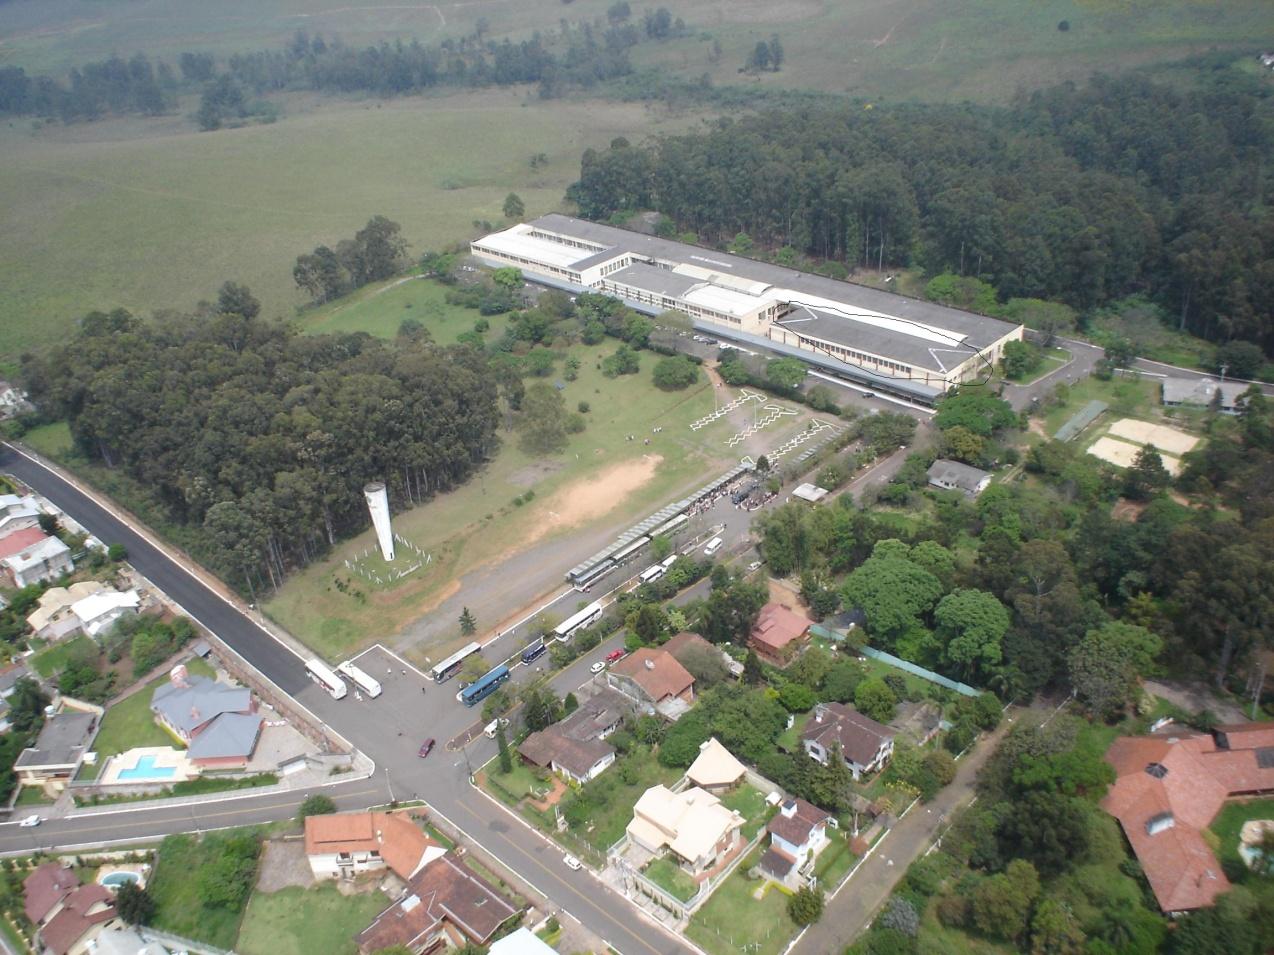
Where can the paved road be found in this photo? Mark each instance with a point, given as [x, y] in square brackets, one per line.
[851, 910]
[388, 729]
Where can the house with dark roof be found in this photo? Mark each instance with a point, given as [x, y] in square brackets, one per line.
[1168, 789]
[343, 845]
[67, 916]
[58, 750]
[575, 747]
[954, 476]
[218, 722]
[779, 634]
[445, 905]
[865, 745]
[652, 678]
[798, 833]
[1226, 396]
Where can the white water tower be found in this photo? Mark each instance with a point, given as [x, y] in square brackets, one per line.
[378, 504]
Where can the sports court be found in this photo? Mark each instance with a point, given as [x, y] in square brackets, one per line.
[1123, 454]
[1165, 439]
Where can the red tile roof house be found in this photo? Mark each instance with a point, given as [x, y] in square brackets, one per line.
[343, 845]
[1169, 788]
[798, 833]
[779, 634]
[67, 916]
[653, 677]
[865, 745]
[446, 905]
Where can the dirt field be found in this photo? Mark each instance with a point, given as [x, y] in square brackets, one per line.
[1165, 439]
[1122, 454]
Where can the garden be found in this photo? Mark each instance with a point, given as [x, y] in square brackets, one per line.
[201, 884]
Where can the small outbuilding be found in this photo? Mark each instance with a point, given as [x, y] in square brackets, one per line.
[954, 476]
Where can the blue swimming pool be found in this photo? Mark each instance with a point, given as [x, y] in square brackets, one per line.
[146, 769]
[115, 879]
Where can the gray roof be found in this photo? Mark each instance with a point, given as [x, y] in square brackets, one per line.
[1201, 391]
[189, 707]
[231, 734]
[654, 279]
[959, 475]
[980, 330]
[11, 676]
[574, 743]
[61, 742]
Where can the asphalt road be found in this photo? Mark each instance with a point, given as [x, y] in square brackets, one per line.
[388, 729]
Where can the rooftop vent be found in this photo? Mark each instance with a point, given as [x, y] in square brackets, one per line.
[650, 664]
[1159, 823]
[1157, 770]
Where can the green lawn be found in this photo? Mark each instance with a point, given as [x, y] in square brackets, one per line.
[521, 781]
[835, 860]
[51, 659]
[1229, 822]
[1053, 359]
[296, 921]
[175, 886]
[732, 916]
[749, 803]
[790, 738]
[379, 310]
[671, 878]
[32, 796]
[1126, 396]
[130, 723]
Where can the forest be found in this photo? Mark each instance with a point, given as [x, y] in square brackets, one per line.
[259, 436]
[1079, 194]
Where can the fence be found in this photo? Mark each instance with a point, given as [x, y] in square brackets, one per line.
[899, 664]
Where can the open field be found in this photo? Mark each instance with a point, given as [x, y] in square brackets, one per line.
[296, 921]
[733, 916]
[149, 214]
[1127, 398]
[380, 309]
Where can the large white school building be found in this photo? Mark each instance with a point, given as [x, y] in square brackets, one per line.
[912, 348]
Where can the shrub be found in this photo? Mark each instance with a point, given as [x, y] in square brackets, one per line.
[806, 906]
[900, 915]
[316, 805]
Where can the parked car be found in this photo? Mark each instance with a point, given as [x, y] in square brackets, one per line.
[753, 566]
[597, 667]
[426, 748]
[572, 863]
[615, 655]
[31, 821]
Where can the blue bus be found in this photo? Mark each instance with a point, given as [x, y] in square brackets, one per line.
[484, 687]
[533, 651]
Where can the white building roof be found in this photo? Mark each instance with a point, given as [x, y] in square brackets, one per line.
[105, 604]
[810, 492]
[521, 942]
[725, 300]
[49, 549]
[715, 766]
[56, 599]
[519, 242]
[690, 823]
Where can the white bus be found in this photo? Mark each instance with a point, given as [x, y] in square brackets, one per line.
[668, 561]
[323, 675]
[652, 573]
[629, 550]
[449, 667]
[714, 545]
[360, 679]
[670, 526]
[586, 617]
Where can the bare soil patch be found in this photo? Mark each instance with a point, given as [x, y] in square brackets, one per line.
[283, 864]
[532, 474]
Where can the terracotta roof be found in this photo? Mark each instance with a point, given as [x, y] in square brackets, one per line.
[859, 736]
[20, 540]
[67, 927]
[1167, 790]
[46, 887]
[400, 842]
[796, 828]
[662, 678]
[777, 626]
[1244, 735]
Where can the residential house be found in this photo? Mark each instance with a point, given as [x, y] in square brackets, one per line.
[865, 745]
[98, 612]
[521, 942]
[692, 825]
[574, 746]
[9, 678]
[1169, 787]
[954, 476]
[652, 677]
[798, 833]
[779, 634]
[29, 556]
[715, 768]
[218, 722]
[343, 845]
[53, 618]
[1226, 396]
[17, 513]
[67, 916]
[58, 751]
[685, 646]
[446, 905]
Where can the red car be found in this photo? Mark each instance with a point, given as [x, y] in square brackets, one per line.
[426, 748]
[615, 655]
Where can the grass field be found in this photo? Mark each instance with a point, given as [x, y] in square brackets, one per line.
[379, 310]
[51, 659]
[733, 917]
[296, 921]
[175, 887]
[149, 214]
[671, 878]
[1227, 825]
[1127, 397]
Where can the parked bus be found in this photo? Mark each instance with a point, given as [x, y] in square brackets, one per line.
[668, 561]
[360, 679]
[533, 651]
[449, 667]
[629, 549]
[486, 685]
[652, 573]
[584, 581]
[670, 526]
[585, 618]
[323, 675]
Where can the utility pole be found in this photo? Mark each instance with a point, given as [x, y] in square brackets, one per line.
[390, 784]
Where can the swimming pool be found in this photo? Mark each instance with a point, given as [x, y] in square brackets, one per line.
[146, 769]
[120, 877]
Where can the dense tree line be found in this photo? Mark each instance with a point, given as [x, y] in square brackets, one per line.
[91, 91]
[262, 438]
[375, 253]
[1079, 194]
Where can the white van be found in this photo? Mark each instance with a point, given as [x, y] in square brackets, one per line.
[714, 545]
[493, 726]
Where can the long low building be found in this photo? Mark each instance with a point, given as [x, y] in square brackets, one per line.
[914, 348]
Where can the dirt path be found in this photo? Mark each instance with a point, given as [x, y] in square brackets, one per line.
[1195, 698]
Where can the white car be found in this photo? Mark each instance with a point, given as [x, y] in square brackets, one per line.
[597, 667]
[572, 863]
[754, 565]
[31, 821]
